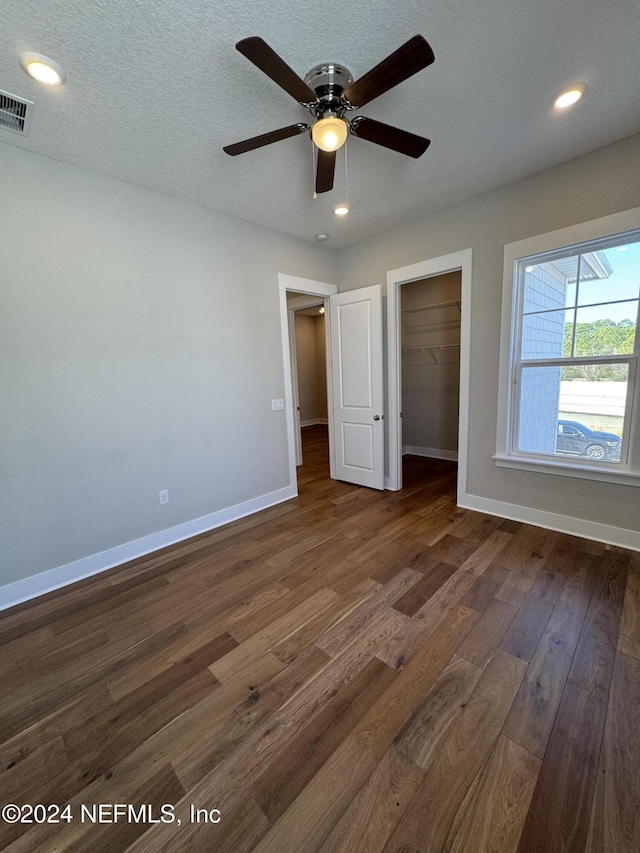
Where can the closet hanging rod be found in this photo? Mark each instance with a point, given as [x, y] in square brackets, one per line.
[433, 306]
[429, 349]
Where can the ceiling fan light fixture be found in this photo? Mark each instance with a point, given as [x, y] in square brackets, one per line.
[569, 96]
[341, 209]
[43, 69]
[329, 133]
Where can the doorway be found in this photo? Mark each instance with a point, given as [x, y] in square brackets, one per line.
[430, 365]
[296, 294]
[355, 388]
[459, 263]
[308, 368]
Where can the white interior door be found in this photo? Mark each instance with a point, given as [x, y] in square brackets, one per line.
[356, 365]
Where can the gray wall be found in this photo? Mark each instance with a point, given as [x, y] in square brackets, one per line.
[598, 184]
[139, 350]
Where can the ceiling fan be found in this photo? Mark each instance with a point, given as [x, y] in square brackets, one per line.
[329, 93]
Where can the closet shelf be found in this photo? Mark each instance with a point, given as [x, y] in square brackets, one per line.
[433, 306]
[429, 349]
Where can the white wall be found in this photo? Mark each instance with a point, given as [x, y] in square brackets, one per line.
[139, 350]
[596, 185]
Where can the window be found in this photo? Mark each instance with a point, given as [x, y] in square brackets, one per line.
[571, 373]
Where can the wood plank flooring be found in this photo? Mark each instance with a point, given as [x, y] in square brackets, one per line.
[349, 671]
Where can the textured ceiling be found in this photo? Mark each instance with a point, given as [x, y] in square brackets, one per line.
[155, 88]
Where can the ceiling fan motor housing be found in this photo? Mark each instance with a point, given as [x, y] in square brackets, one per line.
[328, 81]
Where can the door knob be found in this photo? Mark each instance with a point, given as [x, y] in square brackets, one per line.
[376, 417]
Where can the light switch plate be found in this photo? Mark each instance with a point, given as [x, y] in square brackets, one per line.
[277, 405]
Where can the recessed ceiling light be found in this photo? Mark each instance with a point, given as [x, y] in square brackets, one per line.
[322, 237]
[43, 69]
[569, 96]
[341, 209]
[321, 309]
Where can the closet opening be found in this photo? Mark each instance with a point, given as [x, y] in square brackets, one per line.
[430, 314]
[428, 343]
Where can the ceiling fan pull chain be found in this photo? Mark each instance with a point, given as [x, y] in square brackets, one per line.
[346, 174]
[313, 169]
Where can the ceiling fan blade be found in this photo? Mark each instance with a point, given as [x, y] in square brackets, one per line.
[412, 57]
[265, 139]
[391, 137]
[267, 60]
[325, 170]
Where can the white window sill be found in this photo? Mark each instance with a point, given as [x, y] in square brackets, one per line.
[600, 473]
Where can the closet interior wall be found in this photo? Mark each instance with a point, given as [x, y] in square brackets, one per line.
[430, 346]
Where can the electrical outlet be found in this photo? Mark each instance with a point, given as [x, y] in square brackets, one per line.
[277, 405]
[164, 496]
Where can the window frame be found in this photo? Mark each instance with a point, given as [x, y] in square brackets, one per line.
[553, 244]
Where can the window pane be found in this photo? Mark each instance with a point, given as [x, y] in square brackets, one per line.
[573, 411]
[598, 334]
[570, 295]
[544, 288]
[612, 278]
[610, 275]
[593, 292]
[545, 335]
[569, 337]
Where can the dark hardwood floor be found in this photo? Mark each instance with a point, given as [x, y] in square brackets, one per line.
[349, 671]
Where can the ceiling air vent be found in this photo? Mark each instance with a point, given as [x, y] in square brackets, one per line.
[15, 113]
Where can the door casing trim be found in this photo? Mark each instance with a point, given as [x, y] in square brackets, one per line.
[395, 279]
[304, 286]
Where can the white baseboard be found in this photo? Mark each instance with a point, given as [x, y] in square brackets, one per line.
[31, 587]
[432, 452]
[553, 521]
[314, 421]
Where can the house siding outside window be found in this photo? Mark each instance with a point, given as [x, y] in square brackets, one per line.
[542, 337]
